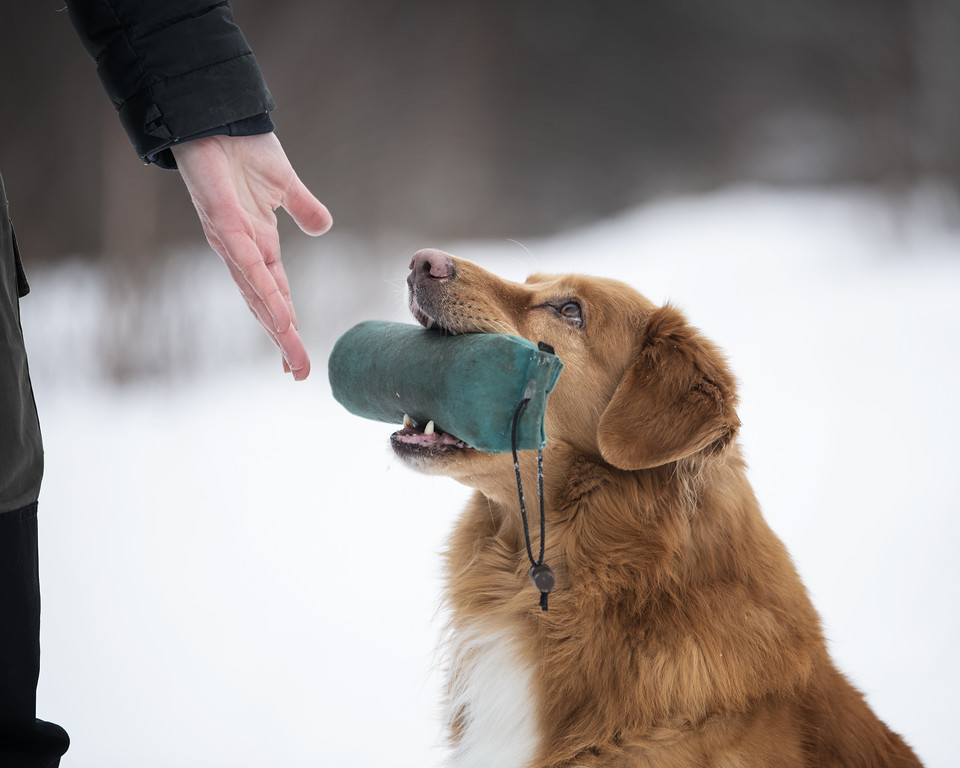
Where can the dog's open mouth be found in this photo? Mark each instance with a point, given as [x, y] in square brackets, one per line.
[426, 439]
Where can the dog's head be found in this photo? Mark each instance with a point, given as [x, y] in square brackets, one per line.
[640, 387]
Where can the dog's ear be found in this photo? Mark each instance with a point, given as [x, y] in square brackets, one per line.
[678, 397]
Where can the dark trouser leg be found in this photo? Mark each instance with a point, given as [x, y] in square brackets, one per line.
[25, 742]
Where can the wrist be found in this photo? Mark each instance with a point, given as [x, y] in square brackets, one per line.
[248, 126]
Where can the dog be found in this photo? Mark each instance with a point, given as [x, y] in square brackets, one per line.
[678, 633]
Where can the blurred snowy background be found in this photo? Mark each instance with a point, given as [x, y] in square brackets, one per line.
[236, 572]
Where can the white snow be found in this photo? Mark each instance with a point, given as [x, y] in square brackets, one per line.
[237, 573]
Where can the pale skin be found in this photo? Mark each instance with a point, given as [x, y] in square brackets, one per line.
[236, 184]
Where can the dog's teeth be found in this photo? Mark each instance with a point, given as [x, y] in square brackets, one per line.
[428, 430]
[407, 421]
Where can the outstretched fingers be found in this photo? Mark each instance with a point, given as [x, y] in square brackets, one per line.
[255, 279]
[267, 294]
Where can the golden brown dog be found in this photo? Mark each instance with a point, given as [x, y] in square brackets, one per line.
[679, 633]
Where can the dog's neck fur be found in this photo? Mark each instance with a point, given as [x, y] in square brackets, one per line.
[624, 548]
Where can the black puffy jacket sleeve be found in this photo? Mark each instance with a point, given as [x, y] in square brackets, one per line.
[174, 70]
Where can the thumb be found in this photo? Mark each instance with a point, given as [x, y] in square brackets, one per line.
[310, 214]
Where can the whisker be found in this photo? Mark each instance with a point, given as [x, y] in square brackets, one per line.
[533, 259]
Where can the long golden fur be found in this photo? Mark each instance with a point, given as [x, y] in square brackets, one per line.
[679, 633]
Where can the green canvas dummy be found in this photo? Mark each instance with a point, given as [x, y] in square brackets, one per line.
[469, 385]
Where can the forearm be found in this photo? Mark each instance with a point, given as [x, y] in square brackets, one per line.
[173, 69]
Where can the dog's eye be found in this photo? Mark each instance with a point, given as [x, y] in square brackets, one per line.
[571, 310]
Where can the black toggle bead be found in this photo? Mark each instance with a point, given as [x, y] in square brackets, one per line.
[542, 577]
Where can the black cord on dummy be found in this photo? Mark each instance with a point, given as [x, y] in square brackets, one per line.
[540, 573]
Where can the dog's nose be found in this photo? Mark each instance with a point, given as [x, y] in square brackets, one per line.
[430, 264]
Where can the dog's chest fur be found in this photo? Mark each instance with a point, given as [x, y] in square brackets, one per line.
[490, 703]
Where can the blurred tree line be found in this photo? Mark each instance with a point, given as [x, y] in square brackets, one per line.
[448, 119]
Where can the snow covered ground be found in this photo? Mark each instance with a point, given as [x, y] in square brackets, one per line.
[236, 572]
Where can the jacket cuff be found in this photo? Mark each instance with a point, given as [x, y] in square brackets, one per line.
[170, 111]
[250, 126]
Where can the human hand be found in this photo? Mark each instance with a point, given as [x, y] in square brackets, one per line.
[236, 183]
